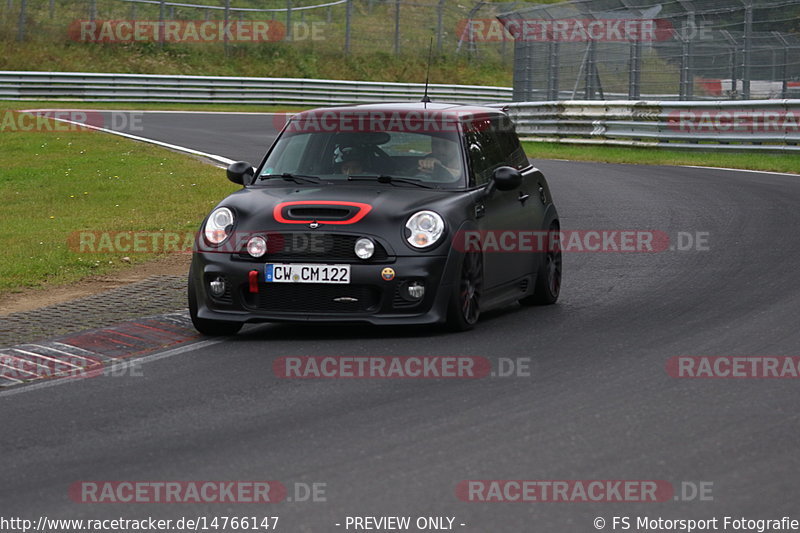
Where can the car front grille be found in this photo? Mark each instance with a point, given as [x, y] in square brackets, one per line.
[314, 246]
[314, 298]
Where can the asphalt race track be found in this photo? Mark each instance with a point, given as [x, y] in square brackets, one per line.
[598, 403]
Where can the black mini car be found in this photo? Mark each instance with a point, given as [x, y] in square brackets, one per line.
[381, 214]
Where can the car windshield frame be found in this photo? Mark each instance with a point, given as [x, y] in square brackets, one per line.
[452, 131]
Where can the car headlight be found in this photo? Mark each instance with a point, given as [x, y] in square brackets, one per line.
[426, 228]
[219, 226]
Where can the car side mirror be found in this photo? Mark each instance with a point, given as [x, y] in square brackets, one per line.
[241, 173]
[506, 178]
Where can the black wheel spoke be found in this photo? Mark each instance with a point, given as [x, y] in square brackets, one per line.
[471, 278]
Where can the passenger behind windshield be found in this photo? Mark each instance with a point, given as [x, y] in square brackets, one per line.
[444, 153]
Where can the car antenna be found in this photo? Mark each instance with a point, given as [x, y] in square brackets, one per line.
[425, 97]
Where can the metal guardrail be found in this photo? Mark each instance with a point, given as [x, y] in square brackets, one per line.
[721, 125]
[91, 87]
[238, 9]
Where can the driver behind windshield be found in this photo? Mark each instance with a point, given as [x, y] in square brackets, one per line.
[353, 161]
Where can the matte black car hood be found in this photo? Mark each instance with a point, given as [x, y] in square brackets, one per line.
[390, 208]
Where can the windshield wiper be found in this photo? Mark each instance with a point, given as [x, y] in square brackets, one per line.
[297, 178]
[383, 178]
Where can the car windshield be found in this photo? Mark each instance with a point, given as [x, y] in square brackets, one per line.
[434, 158]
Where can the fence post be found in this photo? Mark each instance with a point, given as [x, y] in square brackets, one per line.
[439, 25]
[589, 74]
[22, 17]
[348, 15]
[162, 14]
[732, 52]
[288, 20]
[635, 70]
[552, 70]
[784, 70]
[93, 10]
[52, 8]
[748, 49]
[397, 27]
[227, 21]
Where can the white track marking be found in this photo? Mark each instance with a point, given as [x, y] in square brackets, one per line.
[17, 358]
[175, 147]
[743, 170]
[2, 375]
[64, 352]
[137, 361]
[34, 354]
[71, 347]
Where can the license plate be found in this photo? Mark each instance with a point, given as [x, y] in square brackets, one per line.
[304, 273]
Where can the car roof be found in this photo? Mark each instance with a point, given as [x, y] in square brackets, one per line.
[445, 111]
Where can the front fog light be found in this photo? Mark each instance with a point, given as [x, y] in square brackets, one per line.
[257, 246]
[416, 290]
[217, 286]
[364, 248]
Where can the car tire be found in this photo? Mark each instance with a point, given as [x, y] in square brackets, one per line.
[210, 328]
[464, 309]
[547, 286]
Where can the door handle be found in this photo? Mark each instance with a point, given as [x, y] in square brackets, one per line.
[480, 210]
[523, 197]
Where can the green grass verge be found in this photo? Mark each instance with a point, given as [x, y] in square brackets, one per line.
[55, 184]
[660, 156]
[148, 106]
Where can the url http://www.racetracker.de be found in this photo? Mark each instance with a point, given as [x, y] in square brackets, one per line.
[44, 524]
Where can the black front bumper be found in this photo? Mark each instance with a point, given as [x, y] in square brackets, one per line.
[377, 301]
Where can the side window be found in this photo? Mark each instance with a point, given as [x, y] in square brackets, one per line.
[287, 155]
[484, 151]
[477, 160]
[510, 146]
